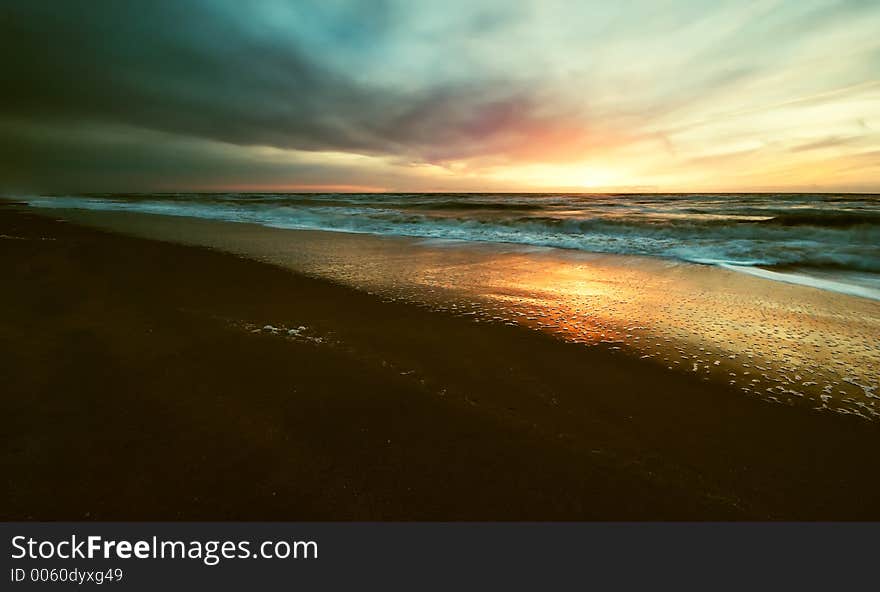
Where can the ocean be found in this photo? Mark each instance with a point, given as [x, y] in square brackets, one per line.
[828, 241]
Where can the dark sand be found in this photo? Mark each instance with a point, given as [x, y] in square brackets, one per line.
[133, 388]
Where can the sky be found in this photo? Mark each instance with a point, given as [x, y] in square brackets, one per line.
[471, 95]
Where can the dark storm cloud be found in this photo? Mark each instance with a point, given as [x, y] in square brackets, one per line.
[200, 70]
[87, 159]
[171, 66]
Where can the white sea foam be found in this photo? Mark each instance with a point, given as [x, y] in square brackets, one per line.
[802, 279]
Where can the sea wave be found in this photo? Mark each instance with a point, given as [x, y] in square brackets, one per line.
[822, 232]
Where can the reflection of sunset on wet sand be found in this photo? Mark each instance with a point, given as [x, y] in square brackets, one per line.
[784, 343]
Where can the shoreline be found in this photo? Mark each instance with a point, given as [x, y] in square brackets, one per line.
[153, 381]
[861, 284]
[795, 275]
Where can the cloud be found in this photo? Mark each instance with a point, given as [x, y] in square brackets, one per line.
[466, 86]
[177, 67]
[831, 142]
[83, 158]
[193, 69]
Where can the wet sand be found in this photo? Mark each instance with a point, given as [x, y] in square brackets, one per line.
[151, 380]
[789, 344]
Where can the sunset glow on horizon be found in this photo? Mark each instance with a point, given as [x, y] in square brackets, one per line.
[473, 96]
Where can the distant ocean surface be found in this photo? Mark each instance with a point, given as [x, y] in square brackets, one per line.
[829, 241]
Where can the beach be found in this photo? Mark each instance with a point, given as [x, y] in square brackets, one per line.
[775, 340]
[173, 368]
